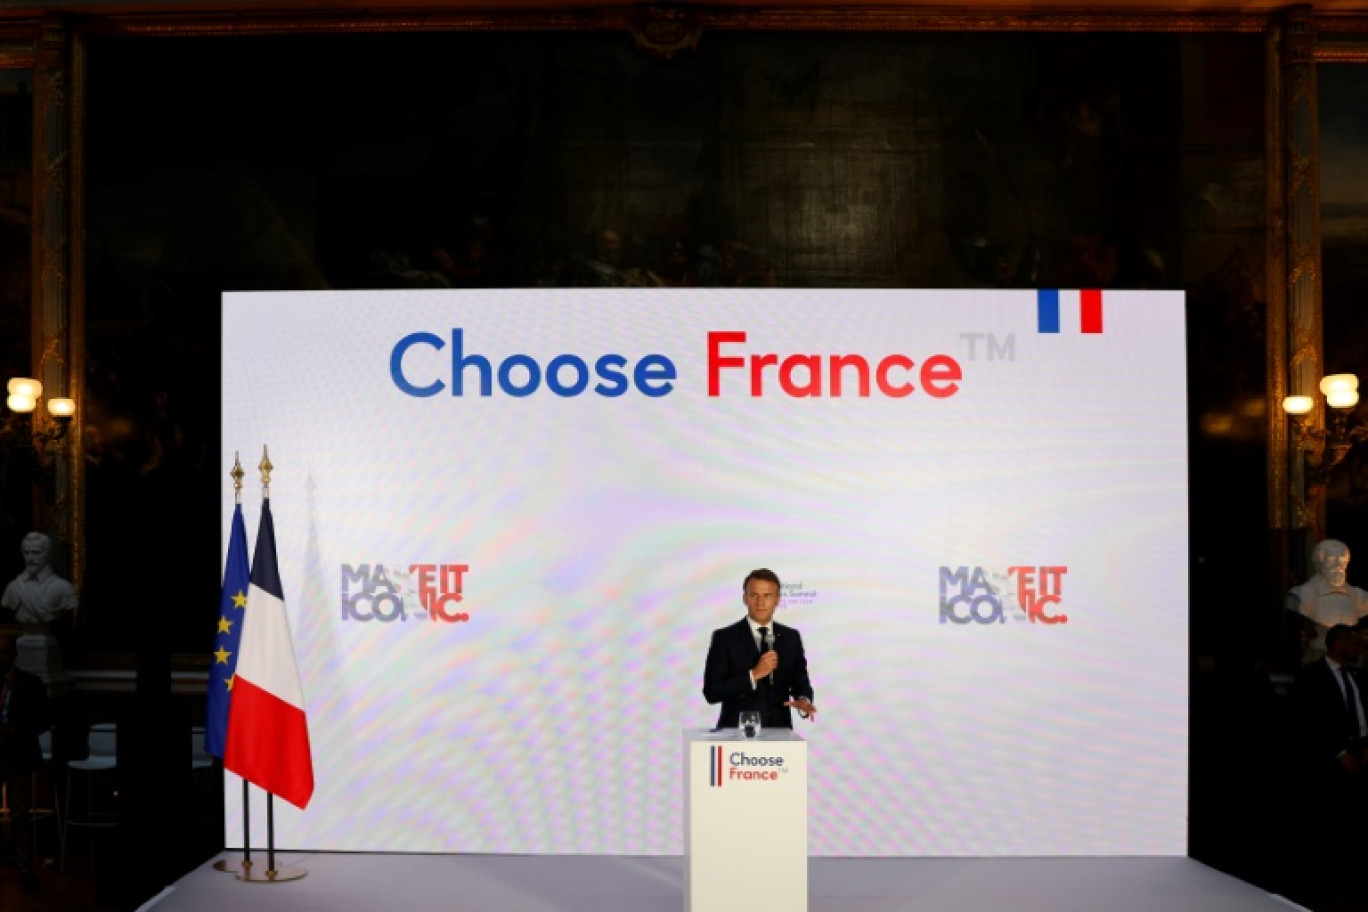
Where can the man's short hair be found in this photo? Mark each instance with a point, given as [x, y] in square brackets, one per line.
[764, 574]
[1337, 633]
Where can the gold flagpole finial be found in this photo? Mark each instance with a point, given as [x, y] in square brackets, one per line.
[265, 467]
[237, 474]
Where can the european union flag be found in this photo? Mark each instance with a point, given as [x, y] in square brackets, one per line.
[232, 607]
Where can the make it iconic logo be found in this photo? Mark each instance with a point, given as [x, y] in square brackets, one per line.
[422, 592]
[743, 766]
[968, 595]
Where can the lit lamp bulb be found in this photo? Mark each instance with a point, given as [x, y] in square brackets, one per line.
[1338, 383]
[1298, 405]
[25, 388]
[23, 394]
[1341, 390]
[1342, 399]
[61, 407]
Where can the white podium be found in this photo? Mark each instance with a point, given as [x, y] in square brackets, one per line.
[745, 822]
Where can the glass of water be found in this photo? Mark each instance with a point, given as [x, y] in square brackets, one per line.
[749, 723]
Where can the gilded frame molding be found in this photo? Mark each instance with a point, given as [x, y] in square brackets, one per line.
[705, 19]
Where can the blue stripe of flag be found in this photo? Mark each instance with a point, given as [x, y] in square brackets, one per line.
[1047, 310]
[265, 572]
[223, 662]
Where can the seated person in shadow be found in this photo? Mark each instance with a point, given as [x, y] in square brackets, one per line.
[24, 715]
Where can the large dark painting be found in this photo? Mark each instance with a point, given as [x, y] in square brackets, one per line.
[16, 208]
[511, 159]
[1344, 253]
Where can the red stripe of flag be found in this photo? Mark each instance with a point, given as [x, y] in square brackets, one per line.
[268, 743]
[1090, 310]
[719, 767]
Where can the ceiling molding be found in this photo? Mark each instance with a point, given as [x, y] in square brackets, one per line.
[207, 18]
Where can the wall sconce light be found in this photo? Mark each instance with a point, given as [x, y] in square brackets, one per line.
[19, 430]
[1326, 447]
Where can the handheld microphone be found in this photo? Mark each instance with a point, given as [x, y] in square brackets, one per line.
[769, 644]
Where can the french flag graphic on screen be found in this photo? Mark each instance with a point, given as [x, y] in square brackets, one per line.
[1069, 310]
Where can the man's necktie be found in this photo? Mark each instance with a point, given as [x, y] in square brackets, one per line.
[764, 634]
[1351, 701]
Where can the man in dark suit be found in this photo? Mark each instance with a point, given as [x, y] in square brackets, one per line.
[1330, 707]
[756, 664]
[1331, 722]
[23, 717]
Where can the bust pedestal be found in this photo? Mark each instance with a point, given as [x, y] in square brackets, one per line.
[40, 653]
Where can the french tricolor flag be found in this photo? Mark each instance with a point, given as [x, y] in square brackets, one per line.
[1086, 303]
[268, 733]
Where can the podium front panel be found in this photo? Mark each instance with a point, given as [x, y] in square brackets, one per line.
[745, 822]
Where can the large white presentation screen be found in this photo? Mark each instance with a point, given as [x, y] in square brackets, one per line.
[509, 520]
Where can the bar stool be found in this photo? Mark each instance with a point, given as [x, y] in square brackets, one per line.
[103, 758]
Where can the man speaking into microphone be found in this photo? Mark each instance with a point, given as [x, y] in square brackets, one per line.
[756, 664]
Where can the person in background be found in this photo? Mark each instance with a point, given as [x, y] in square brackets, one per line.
[1330, 719]
[24, 715]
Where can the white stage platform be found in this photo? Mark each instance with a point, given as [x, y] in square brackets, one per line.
[500, 883]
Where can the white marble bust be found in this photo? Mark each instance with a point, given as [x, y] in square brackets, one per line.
[37, 596]
[1327, 599]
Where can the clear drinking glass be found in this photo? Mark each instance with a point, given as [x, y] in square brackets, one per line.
[749, 723]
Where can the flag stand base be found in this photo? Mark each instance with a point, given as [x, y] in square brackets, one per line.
[258, 873]
[231, 865]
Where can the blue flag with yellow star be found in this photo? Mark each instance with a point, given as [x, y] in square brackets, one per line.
[232, 604]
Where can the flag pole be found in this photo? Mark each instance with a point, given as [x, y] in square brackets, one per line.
[272, 874]
[246, 826]
[231, 865]
[270, 836]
